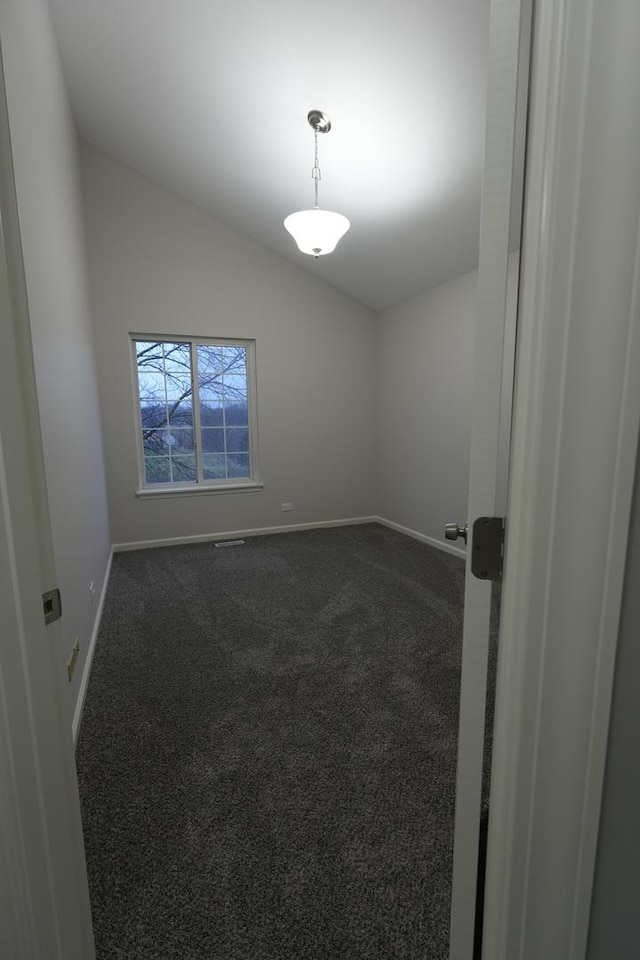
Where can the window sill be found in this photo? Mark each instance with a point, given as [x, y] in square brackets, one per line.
[157, 493]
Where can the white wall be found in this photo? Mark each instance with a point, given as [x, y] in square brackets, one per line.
[44, 147]
[161, 266]
[425, 355]
[425, 366]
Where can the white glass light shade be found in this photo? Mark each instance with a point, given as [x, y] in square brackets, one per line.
[316, 231]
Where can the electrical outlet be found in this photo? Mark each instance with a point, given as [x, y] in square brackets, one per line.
[287, 506]
[92, 589]
[71, 665]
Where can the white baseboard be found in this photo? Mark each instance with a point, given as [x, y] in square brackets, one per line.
[287, 528]
[440, 544]
[239, 534]
[86, 673]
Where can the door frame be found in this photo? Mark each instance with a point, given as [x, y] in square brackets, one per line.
[551, 721]
[502, 208]
[43, 884]
[573, 462]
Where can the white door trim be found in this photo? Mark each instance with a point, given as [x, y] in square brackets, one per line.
[506, 99]
[575, 439]
[43, 884]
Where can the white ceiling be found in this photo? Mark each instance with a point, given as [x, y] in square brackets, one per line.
[210, 100]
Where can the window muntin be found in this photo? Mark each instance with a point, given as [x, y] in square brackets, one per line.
[195, 412]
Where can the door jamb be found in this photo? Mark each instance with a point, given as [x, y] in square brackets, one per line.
[42, 865]
[575, 442]
[507, 85]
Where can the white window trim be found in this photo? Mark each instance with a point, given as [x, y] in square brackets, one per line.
[159, 491]
[198, 487]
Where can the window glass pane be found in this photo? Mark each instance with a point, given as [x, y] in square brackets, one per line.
[180, 413]
[152, 356]
[237, 465]
[211, 415]
[213, 466]
[183, 468]
[177, 358]
[211, 389]
[155, 442]
[235, 382]
[151, 385]
[143, 349]
[237, 415]
[152, 414]
[181, 441]
[235, 393]
[178, 387]
[237, 440]
[209, 362]
[213, 439]
[157, 469]
[164, 382]
[235, 360]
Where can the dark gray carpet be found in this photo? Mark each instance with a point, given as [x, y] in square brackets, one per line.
[267, 756]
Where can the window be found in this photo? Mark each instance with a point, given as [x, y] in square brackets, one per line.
[195, 413]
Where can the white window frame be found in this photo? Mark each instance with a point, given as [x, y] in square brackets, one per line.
[199, 486]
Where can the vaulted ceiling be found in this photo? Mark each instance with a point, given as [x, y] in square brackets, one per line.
[210, 99]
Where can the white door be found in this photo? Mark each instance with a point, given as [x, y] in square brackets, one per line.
[44, 902]
[491, 419]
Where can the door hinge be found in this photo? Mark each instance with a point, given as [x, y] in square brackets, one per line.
[487, 547]
[51, 605]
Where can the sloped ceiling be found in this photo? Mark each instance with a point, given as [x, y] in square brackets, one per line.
[210, 100]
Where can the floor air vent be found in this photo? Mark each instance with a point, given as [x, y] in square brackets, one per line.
[229, 543]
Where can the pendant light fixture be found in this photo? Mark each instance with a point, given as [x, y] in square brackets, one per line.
[317, 231]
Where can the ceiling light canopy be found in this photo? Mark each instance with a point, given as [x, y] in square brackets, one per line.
[316, 231]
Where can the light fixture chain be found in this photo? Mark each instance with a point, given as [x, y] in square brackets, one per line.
[315, 173]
